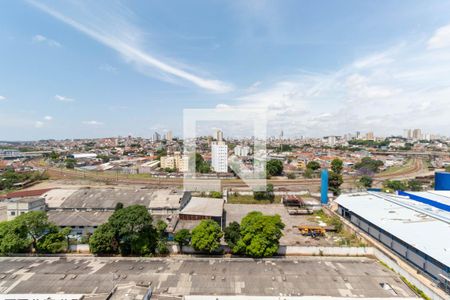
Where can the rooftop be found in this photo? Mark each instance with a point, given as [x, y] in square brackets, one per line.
[107, 198]
[415, 223]
[171, 277]
[212, 207]
[78, 218]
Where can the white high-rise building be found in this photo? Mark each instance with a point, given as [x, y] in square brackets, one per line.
[169, 136]
[219, 135]
[219, 157]
[241, 150]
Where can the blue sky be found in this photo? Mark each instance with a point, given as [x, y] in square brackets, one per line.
[105, 68]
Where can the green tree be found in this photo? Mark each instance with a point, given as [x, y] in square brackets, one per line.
[274, 167]
[55, 241]
[36, 224]
[368, 164]
[337, 165]
[313, 165]
[366, 181]
[260, 235]
[182, 237]
[119, 205]
[334, 182]
[103, 240]
[447, 168]
[133, 230]
[414, 185]
[206, 236]
[13, 237]
[232, 234]
[201, 166]
[161, 229]
[395, 185]
[70, 163]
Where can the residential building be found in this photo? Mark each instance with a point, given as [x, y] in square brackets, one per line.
[241, 150]
[219, 157]
[169, 136]
[219, 135]
[156, 137]
[370, 136]
[417, 134]
[18, 206]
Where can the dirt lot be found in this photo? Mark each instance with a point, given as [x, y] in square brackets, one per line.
[235, 212]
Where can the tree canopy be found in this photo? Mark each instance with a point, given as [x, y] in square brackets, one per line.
[335, 179]
[103, 241]
[259, 235]
[133, 230]
[313, 165]
[201, 166]
[182, 237]
[369, 165]
[366, 181]
[395, 185]
[274, 167]
[206, 236]
[232, 234]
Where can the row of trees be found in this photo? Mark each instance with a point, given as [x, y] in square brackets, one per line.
[9, 178]
[32, 232]
[258, 235]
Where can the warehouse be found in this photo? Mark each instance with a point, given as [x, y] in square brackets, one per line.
[416, 231]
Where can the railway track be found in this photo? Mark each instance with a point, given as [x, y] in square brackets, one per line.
[55, 173]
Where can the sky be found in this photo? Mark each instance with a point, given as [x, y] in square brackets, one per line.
[85, 69]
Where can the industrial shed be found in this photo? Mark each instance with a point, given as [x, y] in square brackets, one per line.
[203, 208]
[417, 232]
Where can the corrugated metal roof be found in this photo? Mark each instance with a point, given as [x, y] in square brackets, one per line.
[412, 223]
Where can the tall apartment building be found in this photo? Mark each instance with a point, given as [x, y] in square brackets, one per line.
[156, 137]
[219, 135]
[241, 150]
[219, 157]
[417, 134]
[370, 136]
[169, 136]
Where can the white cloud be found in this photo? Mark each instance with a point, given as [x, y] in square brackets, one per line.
[42, 39]
[38, 124]
[440, 39]
[2, 98]
[403, 87]
[125, 44]
[63, 98]
[108, 68]
[93, 123]
[48, 118]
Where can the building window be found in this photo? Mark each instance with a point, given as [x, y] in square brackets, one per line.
[13, 213]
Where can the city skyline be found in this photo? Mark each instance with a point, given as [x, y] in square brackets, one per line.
[80, 70]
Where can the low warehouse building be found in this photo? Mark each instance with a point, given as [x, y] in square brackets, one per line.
[203, 208]
[417, 232]
[81, 222]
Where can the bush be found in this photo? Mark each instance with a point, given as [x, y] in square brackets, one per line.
[215, 194]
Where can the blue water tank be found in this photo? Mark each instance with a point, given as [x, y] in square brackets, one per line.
[324, 187]
[442, 181]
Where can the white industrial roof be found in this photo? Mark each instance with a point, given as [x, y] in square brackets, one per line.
[412, 224]
[438, 196]
[204, 207]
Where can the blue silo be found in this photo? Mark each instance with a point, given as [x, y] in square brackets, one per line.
[442, 181]
[324, 187]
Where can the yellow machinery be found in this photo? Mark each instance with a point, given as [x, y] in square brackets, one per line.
[312, 230]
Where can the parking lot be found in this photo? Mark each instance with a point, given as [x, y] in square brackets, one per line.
[173, 277]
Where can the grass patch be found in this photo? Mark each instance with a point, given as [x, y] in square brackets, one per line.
[249, 199]
[415, 289]
[398, 169]
[345, 238]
